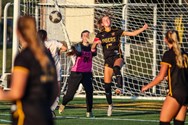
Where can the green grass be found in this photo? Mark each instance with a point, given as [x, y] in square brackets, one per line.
[125, 112]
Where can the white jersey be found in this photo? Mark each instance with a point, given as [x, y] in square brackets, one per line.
[53, 46]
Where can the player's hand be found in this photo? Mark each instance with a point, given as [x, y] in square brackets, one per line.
[145, 26]
[97, 41]
[144, 88]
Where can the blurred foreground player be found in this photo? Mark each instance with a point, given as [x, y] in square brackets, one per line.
[34, 80]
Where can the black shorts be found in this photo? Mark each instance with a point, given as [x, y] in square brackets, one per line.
[109, 62]
[182, 100]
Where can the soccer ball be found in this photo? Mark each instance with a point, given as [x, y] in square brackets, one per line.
[55, 16]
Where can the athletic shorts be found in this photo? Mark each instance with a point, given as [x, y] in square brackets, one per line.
[109, 62]
[182, 100]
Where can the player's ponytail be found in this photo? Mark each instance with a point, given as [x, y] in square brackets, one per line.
[172, 37]
[27, 28]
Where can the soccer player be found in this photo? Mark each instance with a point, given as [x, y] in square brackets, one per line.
[81, 73]
[33, 79]
[174, 64]
[110, 41]
[54, 47]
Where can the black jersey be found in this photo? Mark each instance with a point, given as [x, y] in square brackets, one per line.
[34, 107]
[177, 77]
[111, 42]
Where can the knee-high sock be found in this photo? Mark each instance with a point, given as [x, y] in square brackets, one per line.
[178, 122]
[108, 92]
[164, 123]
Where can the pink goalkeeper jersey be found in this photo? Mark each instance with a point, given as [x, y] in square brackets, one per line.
[83, 63]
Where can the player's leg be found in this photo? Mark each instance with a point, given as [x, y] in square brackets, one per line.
[117, 71]
[169, 110]
[87, 83]
[108, 72]
[55, 104]
[180, 117]
[72, 86]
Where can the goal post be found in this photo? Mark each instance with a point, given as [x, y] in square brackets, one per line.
[142, 53]
[140, 65]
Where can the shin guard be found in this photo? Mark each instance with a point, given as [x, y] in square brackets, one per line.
[117, 72]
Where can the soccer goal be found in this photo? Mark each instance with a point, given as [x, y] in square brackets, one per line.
[142, 53]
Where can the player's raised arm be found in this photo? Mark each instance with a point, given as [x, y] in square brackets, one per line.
[136, 32]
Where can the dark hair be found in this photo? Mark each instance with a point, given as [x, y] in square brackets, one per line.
[42, 34]
[99, 23]
[85, 31]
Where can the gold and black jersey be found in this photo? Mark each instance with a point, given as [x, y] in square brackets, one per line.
[177, 77]
[111, 42]
[34, 107]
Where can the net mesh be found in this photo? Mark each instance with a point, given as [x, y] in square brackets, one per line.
[142, 53]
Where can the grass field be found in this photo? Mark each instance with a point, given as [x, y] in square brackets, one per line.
[125, 112]
[8, 58]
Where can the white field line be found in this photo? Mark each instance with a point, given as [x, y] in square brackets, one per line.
[107, 119]
[3, 120]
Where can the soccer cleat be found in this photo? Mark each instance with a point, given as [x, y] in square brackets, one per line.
[89, 114]
[61, 108]
[109, 111]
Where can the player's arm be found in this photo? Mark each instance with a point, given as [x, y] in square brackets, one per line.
[95, 43]
[18, 84]
[158, 78]
[136, 32]
[75, 50]
[94, 49]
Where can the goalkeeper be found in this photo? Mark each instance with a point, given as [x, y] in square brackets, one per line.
[81, 73]
[175, 65]
[110, 41]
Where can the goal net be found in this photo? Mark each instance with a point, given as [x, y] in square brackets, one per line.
[142, 53]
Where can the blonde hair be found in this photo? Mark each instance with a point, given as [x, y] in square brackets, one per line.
[172, 37]
[27, 28]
